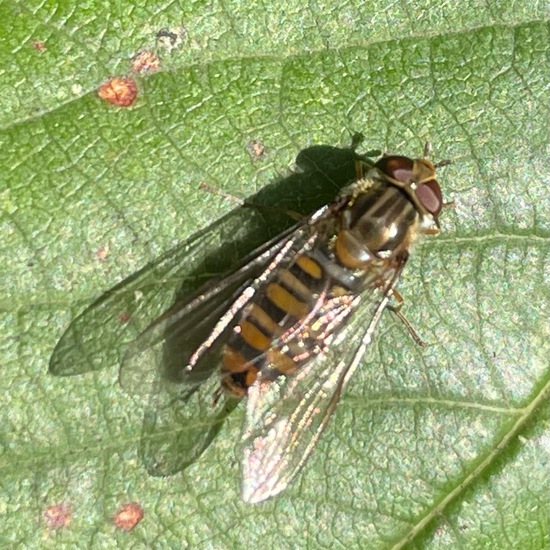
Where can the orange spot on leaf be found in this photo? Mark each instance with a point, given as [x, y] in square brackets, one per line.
[120, 91]
[128, 516]
[58, 516]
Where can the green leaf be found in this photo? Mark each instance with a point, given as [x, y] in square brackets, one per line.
[444, 446]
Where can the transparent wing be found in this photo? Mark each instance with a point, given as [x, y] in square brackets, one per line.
[100, 335]
[180, 424]
[183, 346]
[174, 360]
[285, 418]
[178, 429]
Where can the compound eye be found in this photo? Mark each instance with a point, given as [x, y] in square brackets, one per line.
[397, 168]
[430, 197]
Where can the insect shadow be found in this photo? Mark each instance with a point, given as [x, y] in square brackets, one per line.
[178, 426]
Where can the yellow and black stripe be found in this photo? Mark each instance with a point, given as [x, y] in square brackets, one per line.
[286, 299]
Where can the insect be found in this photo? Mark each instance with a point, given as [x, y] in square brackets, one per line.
[285, 329]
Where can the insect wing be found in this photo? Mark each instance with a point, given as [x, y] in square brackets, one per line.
[285, 418]
[174, 361]
[100, 335]
[182, 416]
[177, 429]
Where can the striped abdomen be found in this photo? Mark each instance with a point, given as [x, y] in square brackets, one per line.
[281, 304]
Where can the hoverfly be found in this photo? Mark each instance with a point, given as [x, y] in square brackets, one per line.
[285, 329]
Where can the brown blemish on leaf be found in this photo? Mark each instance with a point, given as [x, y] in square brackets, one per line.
[128, 516]
[101, 253]
[38, 45]
[256, 149]
[145, 62]
[119, 90]
[123, 317]
[58, 516]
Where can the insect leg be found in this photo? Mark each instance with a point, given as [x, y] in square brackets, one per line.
[203, 186]
[213, 190]
[397, 310]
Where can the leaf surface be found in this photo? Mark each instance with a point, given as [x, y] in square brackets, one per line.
[440, 447]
